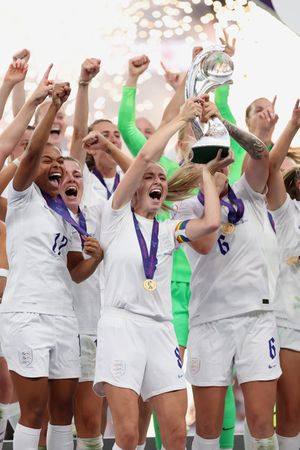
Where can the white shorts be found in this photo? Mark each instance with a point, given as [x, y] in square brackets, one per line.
[137, 353]
[40, 345]
[289, 338]
[88, 349]
[1, 351]
[249, 342]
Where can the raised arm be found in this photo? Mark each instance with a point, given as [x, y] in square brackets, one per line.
[221, 93]
[210, 221]
[18, 94]
[28, 169]
[221, 101]
[178, 98]
[211, 211]
[15, 130]
[257, 168]
[89, 69]
[283, 143]
[95, 142]
[132, 136]
[276, 189]
[152, 151]
[173, 79]
[16, 72]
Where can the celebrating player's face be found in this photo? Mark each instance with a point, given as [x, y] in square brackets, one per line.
[51, 170]
[153, 189]
[72, 185]
[111, 132]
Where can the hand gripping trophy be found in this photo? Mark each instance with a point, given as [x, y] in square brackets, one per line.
[210, 68]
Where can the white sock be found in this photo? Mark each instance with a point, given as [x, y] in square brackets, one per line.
[90, 443]
[60, 437]
[270, 443]
[26, 438]
[3, 422]
[287, 443]
[200, 443]
[116, 447]
[247, 436]
[141, 446]
[13, 414]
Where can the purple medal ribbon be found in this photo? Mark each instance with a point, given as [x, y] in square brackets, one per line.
[58, 205]
[271, 220]
[235, 206]
[102, 181]
[149, 259]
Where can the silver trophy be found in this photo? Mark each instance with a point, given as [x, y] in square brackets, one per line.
[211, 68]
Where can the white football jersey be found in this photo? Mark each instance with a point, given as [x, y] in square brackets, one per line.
[123, 264]
[271, 251]
[38, 241]
[94, 189]
[87, 294]
[287, 301]
[232, 278]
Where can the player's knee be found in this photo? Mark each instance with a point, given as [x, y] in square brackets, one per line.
[260, 425]
[32, 417]
[6, 388]
[176, 436]
[128, 436]
[90, 423]
[61, 413]
[208, 429]
[292, 417]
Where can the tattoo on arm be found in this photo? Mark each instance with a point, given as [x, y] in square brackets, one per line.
[253, 146]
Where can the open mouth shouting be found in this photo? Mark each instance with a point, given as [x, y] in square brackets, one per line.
[55, 130]
[55, 178]
[155, 193]
[71, 191]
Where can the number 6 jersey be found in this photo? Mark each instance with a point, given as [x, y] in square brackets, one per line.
[232, 278]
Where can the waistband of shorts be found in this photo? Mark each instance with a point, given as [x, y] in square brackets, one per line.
[198, 320]
[120, 312]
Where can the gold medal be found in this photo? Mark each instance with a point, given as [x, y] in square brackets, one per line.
[228, 228]
[149, 285]
[293, 260]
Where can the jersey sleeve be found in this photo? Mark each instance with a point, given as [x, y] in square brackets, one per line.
[111, 221]
[74, 240]
[132, 136]
[284, 216]
[19, 199]
[243, 189]
[188, 209]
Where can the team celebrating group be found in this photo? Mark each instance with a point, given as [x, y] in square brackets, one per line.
[111, 266]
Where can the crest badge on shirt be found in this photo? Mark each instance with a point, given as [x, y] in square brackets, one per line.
[26, 357]
[118, 368]
[194, 365]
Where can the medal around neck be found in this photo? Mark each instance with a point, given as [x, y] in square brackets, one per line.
[293, 260]
[150, 285]
[210, 69]
[228, 228]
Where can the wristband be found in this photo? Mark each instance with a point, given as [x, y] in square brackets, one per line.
[83, 83]
[3, 272]
[17, 162]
